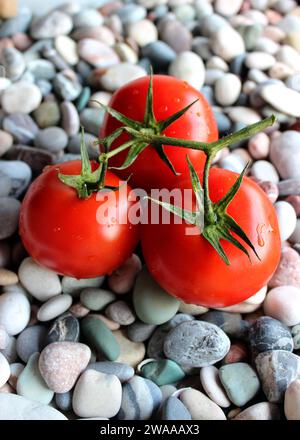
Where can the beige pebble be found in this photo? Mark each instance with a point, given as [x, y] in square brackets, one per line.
[192, 309]
[7, 277]
[260, 411]
[292, 401]
[132, 353]
[259, 146]
[200, 406]
[102, 97]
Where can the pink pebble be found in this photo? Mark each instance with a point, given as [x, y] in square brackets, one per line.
[79, 311]
[283, 303]
[295, 202]
[271, 189]
[21, 41]
[288, 270]
[259, 146]
[122, 280]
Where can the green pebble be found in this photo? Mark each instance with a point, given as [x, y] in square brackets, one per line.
[296, 336]
[250, 34]
[96, 299]
[31, 384]
[100, 337]
[47, 114]
[153, 305]
[83, 99]
[163, 372]
[240, 382]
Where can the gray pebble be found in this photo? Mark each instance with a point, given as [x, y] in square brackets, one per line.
[160, 54]
[64, 328]
[223, 122]
[139, 331]
[64, 401]
[87, 18]
[123, 371]
[96, 299]
[9, 216]
[16, 24]
[131, 13]
[92, 119]
[13, 62]
[120, 312]
[20, 174]
[53, 139]
[176, 320]
[296, 336]
[44, 86]
[67, 88]
[270, 334]
[51, 25]
[174, 409]
[5, 186]
[21, 126]
[42, 69]
[231, 323]
[10, 351]
[31, 340]
[211, 342]
[155, 347]
[74, 144]
[70, 118]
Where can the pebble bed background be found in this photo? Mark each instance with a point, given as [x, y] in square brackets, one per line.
[121, 347]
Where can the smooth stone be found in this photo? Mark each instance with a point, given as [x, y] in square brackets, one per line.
[96, 53]
[212, 23]
[14, 312]
[240, 382]
[139, 331]
[122, 280]
[61, 363]
[227, 89]
[292, 401]
[96, 299]
[31, 340]
[175, 34]
[284, 154]
[293, 82]
[53, 139]
[90, 386]
[64, 328]
[54, 307]
[123, 372]
[42, 69]
[45, 86]
[13, 62]
[83, 99]
[21, 126]
[264, 170]
[90, 142]
[276, 370]
[10, 351]
[162, 372]
[287, 219]
[282, 98]
[159, 53]
[4, 338]
[231, 323]
[18, 23]
[271, 190]
[259, 60]
[227, 43]
[4, 370]
[243, 115]
[152, 304]
[176, 320]
[174, 409]
[192, 309]
[5, 189]
[131, 353]
[283, 303]
[181, 68]
[21, 96]
[70, 118]
[15, 371]
[92, 119]
[31, 384]
[289, 56]
[120, 74]
[270, 334]
[74, 286]
[212, 344]
[101, 33]
[100, 337]
[63, 401]
[67, 88]
[47, 114]
[212, 76]
[13, 407]
[250, 34]
[78, 310]
[8, 277]
[67, 48]
[131, 13]
[209, 378]
[259, 411]
[200, 406]
[51, 25]
[40, 282]
[296, 336]
[126, 53]
[87, 17]
[120, 312]
[143, 32]
[33, 157]
[155, 348]
[295, 237]
[228, 8]
[259, 146]
[99, 97]
[140, 399]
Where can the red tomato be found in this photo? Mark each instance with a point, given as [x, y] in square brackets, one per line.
[64, 233]
[169, 96]
[188, 267]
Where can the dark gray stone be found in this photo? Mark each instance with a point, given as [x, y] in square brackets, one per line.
[21, 126]
[160, 54]
[64, 328]
[31, 340]
[139, 331]
[64, 401]
[231, 323]
[123, 371]
[270, 334]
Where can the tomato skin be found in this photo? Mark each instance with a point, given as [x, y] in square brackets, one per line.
[61, 231]
[169, 96]
[188, 267]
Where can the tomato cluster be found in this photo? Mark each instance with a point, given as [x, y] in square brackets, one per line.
[62, 231]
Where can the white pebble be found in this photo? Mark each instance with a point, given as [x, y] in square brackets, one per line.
[227, 89]
[259, 60]
[67, 48]
[227, 43]
[282, 98]
[218, 63]
[244, 115]
[283, 303]
[189, 67]
[116, 76]
[264, 170]
[285, 154]
[21, 97]
[287, 219]
[209, 377]
[228, 7]
[288, 55]
[259, 146]
[4, 370]
[54, 307]
[143, 32]
[232, 162]
[14, 312]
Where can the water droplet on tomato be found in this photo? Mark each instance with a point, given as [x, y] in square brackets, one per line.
[261, 229]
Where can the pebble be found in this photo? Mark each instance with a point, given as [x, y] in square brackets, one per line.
[283, 303]
[70, 118]
[188, 67]
[64, 328]
[140, 399]
[209, 377]
[292, 401]
[14, 312]
[122, 280]
[200, 406]
[91, 385]
[284, 154]
[282, 99]
[30, 341]
[51, 25]
[221, 46]
[120, 312]
[238, 353]
[21, 126]
[260, 411]
[5, 189]
[240, 382]
[259, 146]
[118, 75]
[91, 119]
[276, 370]
[123, 372]
[67, 88]
[15, 371]
[96, 299]
[4, 370]
[212, 344]
[270, 334]
[40, 282]
[13, 62]
[139, 331]
[10, 352]
[131, 353]
[264, 170]
[97, 54]
[13, 407]
[288, 270]
[4, 338]
[61, 363]
[63, 401]
[90, 140]
[67, 48]
[228, 8]
[30, 383]
[227, 89]
[259, 60]
[7, 277]
[192, 309]
[45, 139]
[41, 69]
[47, 114]
[87, 18]
[296, 336]
[21, 96]
[231, 323]
[54, 307]
[143, 32]
[175, 34]
[74, 286]
[159, 53]
[271, 190]
[131, 13]
[287, 219]
[152, 304]
[16, 24]
[162, 371]
[98, 335]
[173, 409]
